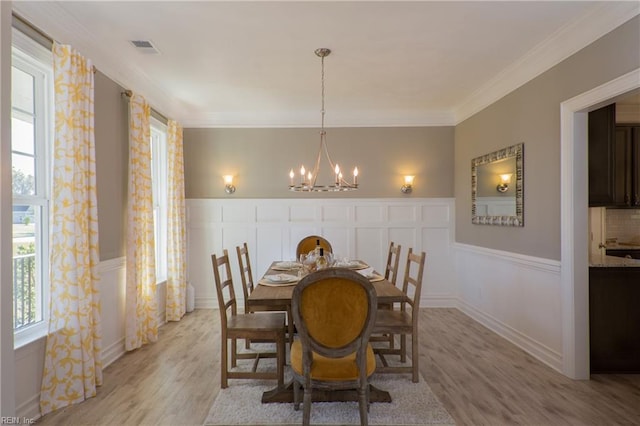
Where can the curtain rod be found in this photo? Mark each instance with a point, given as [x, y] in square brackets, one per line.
[128, 93]
[47, 41]
[35, 33]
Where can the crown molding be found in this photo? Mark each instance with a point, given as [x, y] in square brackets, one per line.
[269, 119]
[64, 28]
[568, 40]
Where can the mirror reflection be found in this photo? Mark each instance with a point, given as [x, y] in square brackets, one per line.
[497, 180]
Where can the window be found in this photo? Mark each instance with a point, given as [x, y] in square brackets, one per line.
[31, 138]
[160, 188]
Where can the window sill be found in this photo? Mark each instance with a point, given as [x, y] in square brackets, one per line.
[29, 335]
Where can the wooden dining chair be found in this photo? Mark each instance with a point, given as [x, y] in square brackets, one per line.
[393, 261]
[309, 243]
[246, 277]
[391, 275]
[334, 311]
[403, 321]
[268, 326]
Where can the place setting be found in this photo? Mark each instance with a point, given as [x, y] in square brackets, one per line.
[371, 274]
[286, 265]
[351, 264]
[275, 280]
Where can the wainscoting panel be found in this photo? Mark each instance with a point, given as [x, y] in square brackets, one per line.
[516, 296]
[356, 228]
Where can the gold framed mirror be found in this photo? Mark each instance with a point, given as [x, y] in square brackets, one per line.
[497, 187]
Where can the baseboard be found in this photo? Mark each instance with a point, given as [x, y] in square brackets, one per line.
[539, 351]
[30, 409]
[438, 301]
[206, 303]
[113, 352]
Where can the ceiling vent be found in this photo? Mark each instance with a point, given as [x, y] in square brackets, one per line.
[145, 46]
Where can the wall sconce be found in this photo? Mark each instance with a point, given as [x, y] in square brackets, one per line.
[408, 185]
[505, 180]
[228, 184]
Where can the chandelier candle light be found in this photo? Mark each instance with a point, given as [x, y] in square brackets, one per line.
[308, 179]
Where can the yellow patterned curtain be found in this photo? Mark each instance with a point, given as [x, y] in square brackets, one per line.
[72, 367]
[176, 238]
[141, 322]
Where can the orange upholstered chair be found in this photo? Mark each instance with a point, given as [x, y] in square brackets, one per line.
[309, 243]
[334, 312]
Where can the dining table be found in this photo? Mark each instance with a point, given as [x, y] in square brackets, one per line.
[275, 289]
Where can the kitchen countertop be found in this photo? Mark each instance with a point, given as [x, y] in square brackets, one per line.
[613, 262]
[624, 246]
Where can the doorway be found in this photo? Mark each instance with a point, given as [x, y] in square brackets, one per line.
[574, 270]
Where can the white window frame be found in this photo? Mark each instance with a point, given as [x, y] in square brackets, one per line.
[160, 190]
[31, 57]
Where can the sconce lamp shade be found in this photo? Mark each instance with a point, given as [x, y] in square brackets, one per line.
[408, 184]
[505, 180]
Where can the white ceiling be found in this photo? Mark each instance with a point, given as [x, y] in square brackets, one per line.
[252, 64]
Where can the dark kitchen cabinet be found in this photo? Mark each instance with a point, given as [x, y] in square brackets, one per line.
[614, 319]
[627, 180]
[602, 165]
[614, 160]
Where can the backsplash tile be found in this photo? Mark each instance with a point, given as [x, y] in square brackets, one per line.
[623, 224]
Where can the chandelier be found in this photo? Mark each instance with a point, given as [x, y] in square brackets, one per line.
[308, 178]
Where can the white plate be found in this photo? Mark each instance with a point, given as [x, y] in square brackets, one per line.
[351, 264]
[286, 265]
[280, 278]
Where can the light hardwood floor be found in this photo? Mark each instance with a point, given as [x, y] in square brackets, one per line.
[480, 378]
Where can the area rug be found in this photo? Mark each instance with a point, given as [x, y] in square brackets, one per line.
[413, 404]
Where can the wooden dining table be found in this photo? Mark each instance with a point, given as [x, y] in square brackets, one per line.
[280, 296]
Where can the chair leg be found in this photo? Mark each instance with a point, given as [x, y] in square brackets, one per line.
[247, 344]
[296, 395]
[306, 409]
[403, 348]
[363, 403]
[414, 356]
[280, 356]
[290, 326]
[223, 364]
[234, 353]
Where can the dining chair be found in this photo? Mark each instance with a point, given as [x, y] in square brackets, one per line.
[246, 277]
[391, 275]
[393, 261]
[267, 326]
[403, 321]
[309, 243]
[334, 311]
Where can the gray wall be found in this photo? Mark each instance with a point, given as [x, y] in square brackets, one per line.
[260, 160]
[531, 114]
[112, 155]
